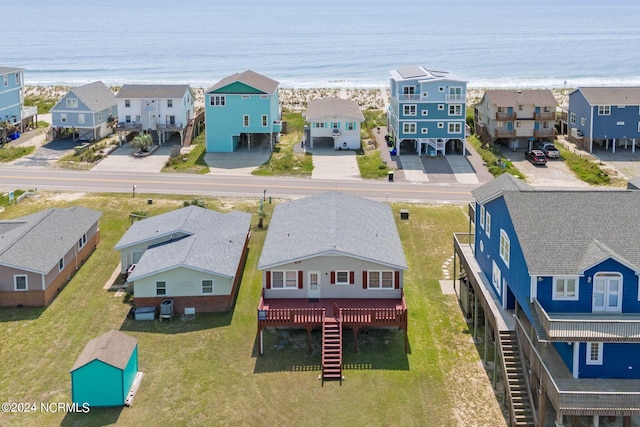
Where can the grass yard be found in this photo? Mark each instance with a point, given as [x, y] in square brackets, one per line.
[206, 371]
[8, 154]
[193, 162]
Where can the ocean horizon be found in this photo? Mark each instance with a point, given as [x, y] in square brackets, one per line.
[328, 43]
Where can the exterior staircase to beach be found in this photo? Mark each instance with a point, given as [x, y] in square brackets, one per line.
[521, 411]
[188, 134]
[331, 350]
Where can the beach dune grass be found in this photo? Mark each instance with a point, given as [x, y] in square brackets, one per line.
[206, 371]
[8, 154]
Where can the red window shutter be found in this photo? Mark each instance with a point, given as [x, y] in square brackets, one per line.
[364, 280]
[352, 277]
[300, 279]
[333, 277]
[268, 280]
[397, 280]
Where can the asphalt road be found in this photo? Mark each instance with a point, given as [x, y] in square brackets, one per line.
[13, 177]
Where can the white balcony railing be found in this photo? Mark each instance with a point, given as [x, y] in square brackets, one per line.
[456, 97]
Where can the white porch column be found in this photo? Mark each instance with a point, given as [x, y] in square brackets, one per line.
[633, 145]
[613, 145]
[596, 421]
[576, 359]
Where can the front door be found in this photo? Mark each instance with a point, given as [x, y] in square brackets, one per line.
[314, 284]
[607, 292]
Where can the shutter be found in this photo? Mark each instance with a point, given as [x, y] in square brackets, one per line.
[268, 279]
[352, 277]
[300, 274]
[397, 280]
[364, 280]
[333, 277]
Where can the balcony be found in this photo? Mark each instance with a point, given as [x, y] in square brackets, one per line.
[169, 127]
[544, 133]
[504, 116]
[549, 115]
[589, 326]
[505, 133]
[29, 112]
[130, 126]
[408, 97]
[456, 97]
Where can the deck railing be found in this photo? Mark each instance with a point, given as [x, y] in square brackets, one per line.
[544, 115]
[503, 115]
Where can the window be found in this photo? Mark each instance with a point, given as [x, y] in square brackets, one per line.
[546, 109]
[207, 286]
[127, 119]
[342, 277]
[594, 353]
[72, 102]
[455, 127]
[487, 224]
[455, 110]
[217, 101]
[520, 107]
[6, 81]
[604, 110]
[518, 124]
[495, 277]
[80, 119]
[264, 120]
[20, 283]
[245, 120]
[380, 280]
[408, 90]
[505, 247]
[351, 125]
[572, 118]
[545, 125]
[482, 216]
[99, 116]
[565, 288]
[284, 279]
[169, 103]
[82, 241]
[161, 288]
[424, 131]
[63, 118]
[409, 128]
[127, 103]
[335, 125]
[318, 124]
[17, 78]
[425, 112]
[441, 107]
[409, 110]
[61, 264]
[583, 120]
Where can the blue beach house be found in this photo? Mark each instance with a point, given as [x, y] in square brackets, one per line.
[106, 372]
[606, 116]
[427, 111]
[242, 110]
[554, 275]
[87, 111]
[12, 109]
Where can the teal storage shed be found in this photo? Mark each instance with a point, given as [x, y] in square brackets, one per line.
[105, 371]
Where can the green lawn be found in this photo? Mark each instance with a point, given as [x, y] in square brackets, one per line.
[8, 154]
[207, 372]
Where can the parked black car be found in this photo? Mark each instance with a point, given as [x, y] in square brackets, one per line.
[536, 157]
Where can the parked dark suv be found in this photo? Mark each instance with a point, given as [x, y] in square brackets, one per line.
[536, 157]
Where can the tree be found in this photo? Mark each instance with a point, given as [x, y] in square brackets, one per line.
[142, 141]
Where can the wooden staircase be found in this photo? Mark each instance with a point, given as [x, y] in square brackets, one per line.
[188, 134]
[331, 350]
[522, 413]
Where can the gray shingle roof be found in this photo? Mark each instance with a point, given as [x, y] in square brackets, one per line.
[7, 70]
[113, 348]
[38, 241]
[619, 95]
[249, 78]
[505, 182]
[96, 96]
[332, 223]
[154, 91]
[204, 240]
[566, 232]
[422, 74]
[318, 108]
[511, 97]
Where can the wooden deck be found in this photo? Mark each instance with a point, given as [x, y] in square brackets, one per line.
[353, 313]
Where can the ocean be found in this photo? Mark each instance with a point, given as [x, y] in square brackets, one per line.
[324, 43]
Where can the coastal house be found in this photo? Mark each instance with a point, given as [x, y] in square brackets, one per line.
[87, 111]
[242, 110]
[427, 111]
[13, 113]
[606, 116]
[193, 256]
[39, 253]
[516, 117]
[553, 276]
[160, 110]
[331, 261]
[333, 122]
[106, 372]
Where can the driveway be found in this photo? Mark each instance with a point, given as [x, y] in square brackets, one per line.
[241, 162]
[554, 174]
[335, 165]
[46, 155]
[121, 160]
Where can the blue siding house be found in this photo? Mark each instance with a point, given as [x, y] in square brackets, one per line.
[242, 110]
[558, 271]
[85, 110]
[606, 116]
[12, 110]
[427, 111]
[106, 372]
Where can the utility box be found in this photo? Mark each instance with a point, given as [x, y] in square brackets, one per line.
[404, 213]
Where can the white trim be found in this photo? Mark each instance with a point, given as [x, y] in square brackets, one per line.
[576, 360]
[555, 296]
[338, 282]
[158, 288]
[487, 223]
[26, 282]
[598, 360]
[504, 237]
[496, 276]
[380, 287]
[533, 286]
[482, 213]
[284, 279]
[202, 287]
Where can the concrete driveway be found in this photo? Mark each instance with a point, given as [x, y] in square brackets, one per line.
[241, 162]
[121, 160]
[335, 165]
[48, 154]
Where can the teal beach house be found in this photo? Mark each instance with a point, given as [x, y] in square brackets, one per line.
[242, 111]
